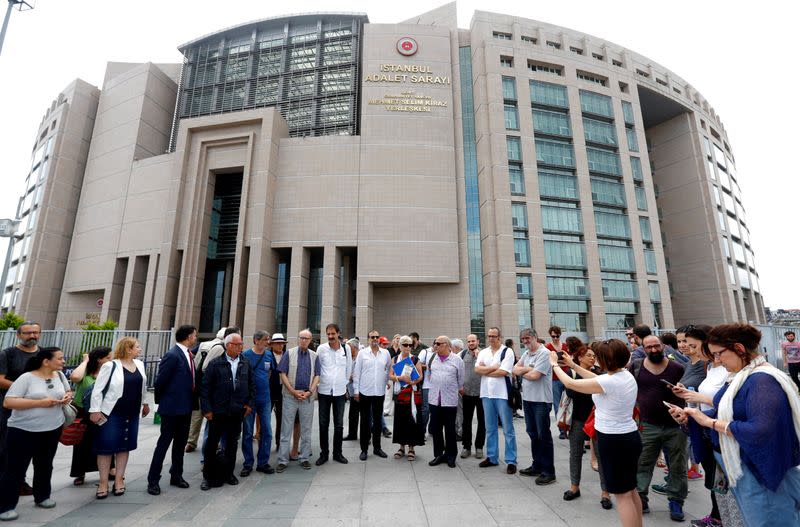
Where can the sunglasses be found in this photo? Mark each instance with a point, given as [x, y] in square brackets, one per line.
[374, 336]
[49, 383]
[406, 345]
[439, 343]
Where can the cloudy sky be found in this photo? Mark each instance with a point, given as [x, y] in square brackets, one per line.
[737, 54]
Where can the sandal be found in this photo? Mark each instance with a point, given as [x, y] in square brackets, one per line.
[118, 491]
[412, 455]
[78, 482]
[400, 453]
[100, 495]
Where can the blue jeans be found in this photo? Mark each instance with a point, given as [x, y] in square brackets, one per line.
[537, 424]
[558, 389]
[263, 410]
[492, 409]
[760, 506]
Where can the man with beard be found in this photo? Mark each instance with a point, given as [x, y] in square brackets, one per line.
[12, 364]
[334, 366]
[659, 430]
[471, 398]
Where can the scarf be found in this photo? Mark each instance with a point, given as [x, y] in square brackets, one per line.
[729, 445]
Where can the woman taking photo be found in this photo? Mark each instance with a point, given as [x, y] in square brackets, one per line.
[618, 441]
[755, 425]
[117, 412]
[582, 404]
[36, 400]
[408, 427]
[83, 457]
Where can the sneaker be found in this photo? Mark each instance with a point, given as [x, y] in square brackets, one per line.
[562, 434]
[479, 453]
[46, 504]
[545, 480]
[693, 474]
[9, 516]
[280, 468]
[675, 511]
[659, 489]
[708, 521]
[645, 505]
[465, 453]
[531, 472]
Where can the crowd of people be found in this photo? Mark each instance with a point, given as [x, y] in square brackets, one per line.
[703, 403]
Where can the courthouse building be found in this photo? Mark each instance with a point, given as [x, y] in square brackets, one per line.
[298, 170]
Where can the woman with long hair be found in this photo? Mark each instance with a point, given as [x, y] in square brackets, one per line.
[116, 412]
[83, 458]
[36, 400]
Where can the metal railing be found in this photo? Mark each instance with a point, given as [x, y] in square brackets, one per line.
[76, 342]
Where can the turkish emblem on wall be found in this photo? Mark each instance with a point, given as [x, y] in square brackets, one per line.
[407, 46]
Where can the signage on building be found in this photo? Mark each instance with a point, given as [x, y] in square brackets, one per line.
[89, 318]
[99, 302]
[407, 46]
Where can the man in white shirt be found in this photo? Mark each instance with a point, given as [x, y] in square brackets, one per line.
[495, 364]
[334, 366]
[370, 375]
[537, 396]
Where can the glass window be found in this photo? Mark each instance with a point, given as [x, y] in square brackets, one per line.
[236, 69]
[549, 94]
[554, 153]
[620, 290]
[301, 85]
[524, 287]
[234, 96]
[519, 216]
[711, 171]
[566, 287]
[513, 149]
[266, 92]
[560, 305]
[335, 111]
[719, 156]
[269, 63]
[706, 146]
[732, 274]
[38, 155]
[726, 247]
[650, 261]
[595, 131]
[299, 114]
[724, 180]
[627, 112]
[575, 322]
[608, 192]
[509, 88]
[511, 117]
[522, 252]
[655, 291]
[304, 58]
[613, 225]
[728, 200]
[644, 227]
[641, 198]
[553, 123]
[717, 198]
[738, 252]
[558, 185]
[615, 258]
[721, 218]
[524, 312]
[506, 62]
[744, 278]
[596, 104]
[516, 180]
[336, 81]
[559, 219]
[564, 254]
[636, 169]
[633, 142]
[335, 53]
[603, 161]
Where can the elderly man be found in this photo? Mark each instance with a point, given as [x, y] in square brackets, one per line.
[12, 364]
[370, 375]
[471, 399]
[335, 366]
[494, 364]
[226, 397]
[262, 362]
[447, 380]
[300, 378]
[659, 430]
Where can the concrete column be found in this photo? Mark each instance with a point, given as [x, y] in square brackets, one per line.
[149, 291]
[298, 294]
[259, 310]
[331, 287]
[364, 308]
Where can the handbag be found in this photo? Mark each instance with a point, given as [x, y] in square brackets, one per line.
[70, 413]
[564, 415]
[514, 399]
[588, 426]
[72, 434]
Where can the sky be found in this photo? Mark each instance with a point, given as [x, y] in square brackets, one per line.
[739, 55]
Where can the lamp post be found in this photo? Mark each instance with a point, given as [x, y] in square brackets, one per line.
[8, 229]
[22, 5]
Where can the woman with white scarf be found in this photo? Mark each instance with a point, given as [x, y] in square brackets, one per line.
[755, 428]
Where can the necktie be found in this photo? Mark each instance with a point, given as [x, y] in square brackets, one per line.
[191, 367]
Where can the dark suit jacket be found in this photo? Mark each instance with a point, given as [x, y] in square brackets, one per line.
[217, 393]
[173, 385]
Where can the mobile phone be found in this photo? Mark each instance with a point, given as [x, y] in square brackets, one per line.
[669, 384]
[560, 355]
[103, 420]
[669, 405]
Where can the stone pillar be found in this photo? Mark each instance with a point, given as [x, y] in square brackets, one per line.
[364, 308]
[331, 287]
[298, 294]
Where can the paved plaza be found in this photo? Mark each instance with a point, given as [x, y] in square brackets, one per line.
[372, 493]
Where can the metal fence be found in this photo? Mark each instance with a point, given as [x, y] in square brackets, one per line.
[771, 338]
[76, 342]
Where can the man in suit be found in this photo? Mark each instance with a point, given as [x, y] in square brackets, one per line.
[176, 395]
[226, 397]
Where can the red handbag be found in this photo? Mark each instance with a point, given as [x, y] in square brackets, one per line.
[73, 434]
[588, 426]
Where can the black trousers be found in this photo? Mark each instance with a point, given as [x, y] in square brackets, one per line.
[22, 447]
[470, 404]
[325, 403]
[352, 418]
[215, 470]
[175, 430]
[277, 407]
[443, 430]
[370, 404]
[794, 373]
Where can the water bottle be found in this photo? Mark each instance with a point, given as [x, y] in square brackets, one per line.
[688, 404]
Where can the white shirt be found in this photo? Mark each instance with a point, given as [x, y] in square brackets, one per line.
[371, 372]
[613, 409]
[335, 367]
[185, 351]
[234, 366]
[715, 379]
[495, 387]
[425, 357]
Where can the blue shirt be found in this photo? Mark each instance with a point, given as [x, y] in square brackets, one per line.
[763, 427]
[302, 379]
[262, 367]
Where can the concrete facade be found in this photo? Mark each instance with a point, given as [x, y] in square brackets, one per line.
[371, 229]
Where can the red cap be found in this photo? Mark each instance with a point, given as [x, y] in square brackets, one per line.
[383, 340]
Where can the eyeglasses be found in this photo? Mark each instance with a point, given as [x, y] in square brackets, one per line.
[301, 338]
[406, 345]
[718, 354]
[554, 336]
[439, 343]
[374, 336]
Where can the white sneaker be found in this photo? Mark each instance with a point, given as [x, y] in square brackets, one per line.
[46, 504]
[465, 453]
[478, 453]
[9, 516]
